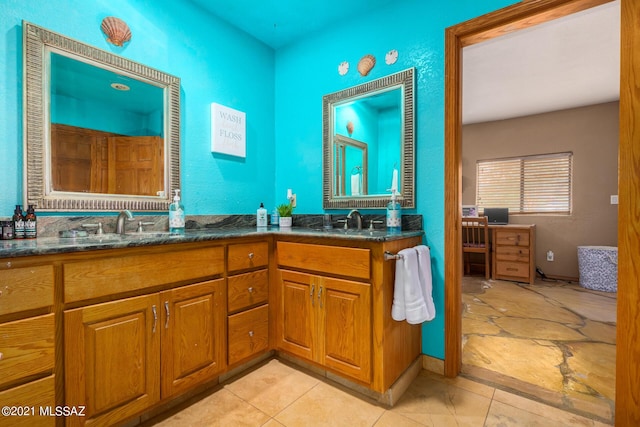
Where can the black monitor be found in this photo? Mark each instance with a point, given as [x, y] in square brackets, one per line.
[497, 216]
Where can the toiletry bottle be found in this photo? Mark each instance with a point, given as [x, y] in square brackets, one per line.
[18, 223]
[394, 215]
[176, 215]
[30, 227]
[261, 219]
[275, 218]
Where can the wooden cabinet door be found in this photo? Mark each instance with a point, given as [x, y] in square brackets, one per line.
[112, 359]
[296, 313]
[193, 335]
[345, 327]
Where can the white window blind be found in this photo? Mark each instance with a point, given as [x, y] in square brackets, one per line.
[528, 184]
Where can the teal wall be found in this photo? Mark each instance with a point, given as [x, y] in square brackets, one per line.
[281, 93]
[308, 69]
[215, 62]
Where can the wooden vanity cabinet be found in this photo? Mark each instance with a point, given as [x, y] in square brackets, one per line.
[123, 356]
[247, 303]
[514, 252]
[27, 350]
[328, 321]
[334, 309]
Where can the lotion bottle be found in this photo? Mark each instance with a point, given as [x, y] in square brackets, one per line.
[176, 215]
[261, 218]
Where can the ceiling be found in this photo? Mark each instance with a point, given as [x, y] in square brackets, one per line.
[566, 63]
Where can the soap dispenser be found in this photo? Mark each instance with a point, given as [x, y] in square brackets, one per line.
[261, 219]
[176, 215]
[394, 214]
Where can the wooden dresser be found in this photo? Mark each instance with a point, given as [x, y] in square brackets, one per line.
[514, 252]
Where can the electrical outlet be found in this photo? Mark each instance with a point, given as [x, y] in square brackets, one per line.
[549, 255]
[293, 200]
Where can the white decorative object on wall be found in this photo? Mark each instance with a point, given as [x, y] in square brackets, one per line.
[116, 30]
[343, 68]
[366, 64]
[228, 131]
[391, 57]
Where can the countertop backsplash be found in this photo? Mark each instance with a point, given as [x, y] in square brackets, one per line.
[50, 226]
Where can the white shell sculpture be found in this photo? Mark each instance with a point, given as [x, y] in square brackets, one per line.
[116, 30]
[366, 64]
[391, 57]
[343, 68]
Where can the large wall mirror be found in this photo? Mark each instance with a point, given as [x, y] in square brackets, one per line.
[101, 132]
[367, 134]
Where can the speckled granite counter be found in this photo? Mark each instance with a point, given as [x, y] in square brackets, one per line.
[55, 245]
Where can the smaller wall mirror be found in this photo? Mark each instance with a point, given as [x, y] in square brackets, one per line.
[101, 132]
[367, 135]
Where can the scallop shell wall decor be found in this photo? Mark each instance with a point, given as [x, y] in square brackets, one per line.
[366, 64]
[116, 30]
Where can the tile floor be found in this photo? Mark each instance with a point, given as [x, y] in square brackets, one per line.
[277, 394]
[552, 341]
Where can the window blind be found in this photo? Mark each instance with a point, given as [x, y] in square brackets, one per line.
[527, 184]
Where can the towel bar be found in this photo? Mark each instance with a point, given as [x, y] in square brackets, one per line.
[389, 256]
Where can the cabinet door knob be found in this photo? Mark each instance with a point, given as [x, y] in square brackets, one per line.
[250, 255]
[1, 355]
[250, 289]
[313, 288]
[166, 310]
[250, 333]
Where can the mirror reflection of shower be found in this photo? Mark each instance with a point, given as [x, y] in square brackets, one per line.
[350, 167]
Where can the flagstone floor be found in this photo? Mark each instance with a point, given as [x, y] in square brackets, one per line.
[551, 341]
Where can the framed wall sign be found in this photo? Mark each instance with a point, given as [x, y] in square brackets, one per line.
[228, 131]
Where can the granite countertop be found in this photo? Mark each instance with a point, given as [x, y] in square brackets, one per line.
[56, 245]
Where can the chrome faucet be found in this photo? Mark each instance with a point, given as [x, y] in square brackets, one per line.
[120, 228]
[358, 218]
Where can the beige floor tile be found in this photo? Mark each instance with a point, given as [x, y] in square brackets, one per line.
[462, 383]
[482, 327]
[272, 387]
[325, 405]
[598, 331]
[221, 408]
[393, 419]
[590, 365]
[589, 305]
[434, 403]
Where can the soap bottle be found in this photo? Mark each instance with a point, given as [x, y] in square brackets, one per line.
[30, 226]
[18, 223]
[394, 215]
[275, 218]
[176, 215]
[261, 218]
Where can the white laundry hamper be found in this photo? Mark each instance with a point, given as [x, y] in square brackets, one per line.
[598, 267]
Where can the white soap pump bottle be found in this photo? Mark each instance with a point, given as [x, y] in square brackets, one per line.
[176, 215]
[261, 219]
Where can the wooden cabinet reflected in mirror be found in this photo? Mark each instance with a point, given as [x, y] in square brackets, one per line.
[92, 161]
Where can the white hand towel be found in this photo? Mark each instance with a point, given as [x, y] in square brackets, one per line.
[426, 282]
[408, 300]
[355, 185]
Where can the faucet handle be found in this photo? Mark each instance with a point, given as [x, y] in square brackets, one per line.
[346, 223]
[97, 226]
[371, 227]
[141, 224]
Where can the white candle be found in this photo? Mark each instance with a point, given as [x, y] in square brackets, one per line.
[394, 181]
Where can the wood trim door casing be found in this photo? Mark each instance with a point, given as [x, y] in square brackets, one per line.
[518, 16]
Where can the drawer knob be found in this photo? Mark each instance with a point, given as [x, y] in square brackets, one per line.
[250, 333]
[250, 290]
[250, 255]
[1, 355]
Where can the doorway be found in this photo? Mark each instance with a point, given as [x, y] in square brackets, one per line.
[519, 16]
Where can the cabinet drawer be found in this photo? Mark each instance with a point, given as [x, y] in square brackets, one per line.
[246, 290]
[25, 288]
[36, 394]
[512, 253]
[512, 269]
[248, 255]
[26, 348]
[248, 333]
[353, 262]
[512, 237]
[105, 276]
